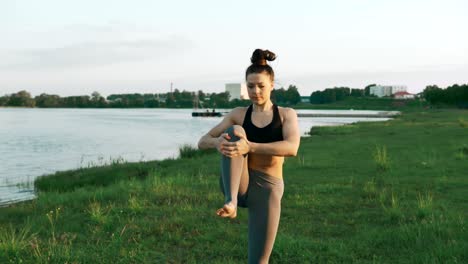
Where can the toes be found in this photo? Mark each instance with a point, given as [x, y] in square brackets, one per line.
[227, 211]
[221, 212]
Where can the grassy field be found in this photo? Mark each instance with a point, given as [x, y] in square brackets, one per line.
[382, 192]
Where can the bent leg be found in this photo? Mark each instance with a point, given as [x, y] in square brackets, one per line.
[234, 177]
[264, 214]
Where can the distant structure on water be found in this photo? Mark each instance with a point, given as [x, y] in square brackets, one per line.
[386, 90]
[200, 112]
[237, 91]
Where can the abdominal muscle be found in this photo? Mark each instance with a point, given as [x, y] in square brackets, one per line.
[271, 165]
[268, 164]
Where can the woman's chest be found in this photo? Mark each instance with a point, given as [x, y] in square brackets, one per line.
[261, 119]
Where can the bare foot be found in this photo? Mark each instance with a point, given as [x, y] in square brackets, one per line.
[228, 210]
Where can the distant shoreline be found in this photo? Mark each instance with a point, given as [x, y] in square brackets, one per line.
[382, 114]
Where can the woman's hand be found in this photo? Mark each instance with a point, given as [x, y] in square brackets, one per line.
[222, 140]
[233, 149]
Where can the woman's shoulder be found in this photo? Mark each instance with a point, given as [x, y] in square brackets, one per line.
[240, 110]
[238, 113]
[286, 112]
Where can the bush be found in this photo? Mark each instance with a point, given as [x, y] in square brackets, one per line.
[188, 151]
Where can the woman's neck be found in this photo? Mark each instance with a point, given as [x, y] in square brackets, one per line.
[263, 107]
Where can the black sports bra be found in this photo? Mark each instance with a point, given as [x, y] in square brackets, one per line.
[270, 133]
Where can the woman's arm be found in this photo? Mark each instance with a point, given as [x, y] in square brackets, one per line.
[286, 147]
[212, 138]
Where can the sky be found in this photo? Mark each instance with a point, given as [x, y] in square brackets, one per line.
[77, 47]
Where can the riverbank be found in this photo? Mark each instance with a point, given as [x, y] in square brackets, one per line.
[385, 192]
[346, 114]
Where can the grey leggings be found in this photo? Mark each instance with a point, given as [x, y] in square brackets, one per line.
[262, 197]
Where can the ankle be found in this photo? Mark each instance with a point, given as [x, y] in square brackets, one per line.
[231, 204]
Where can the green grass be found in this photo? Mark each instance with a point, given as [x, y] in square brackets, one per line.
[339, 204]
[381, 158]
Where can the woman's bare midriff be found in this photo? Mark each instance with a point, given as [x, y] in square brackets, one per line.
[268, 164]
[271, 165]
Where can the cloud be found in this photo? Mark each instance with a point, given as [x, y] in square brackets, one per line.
[96, 53]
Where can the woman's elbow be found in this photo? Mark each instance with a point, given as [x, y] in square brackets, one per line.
[204, 142]
[293, 151]
[201, 144]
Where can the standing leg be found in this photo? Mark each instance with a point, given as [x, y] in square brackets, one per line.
[234, 178]
[264, 214]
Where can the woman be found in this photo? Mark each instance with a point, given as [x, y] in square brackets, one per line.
[253, 142]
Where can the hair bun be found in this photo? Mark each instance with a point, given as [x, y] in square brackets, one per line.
[259, 57]
[269, 56]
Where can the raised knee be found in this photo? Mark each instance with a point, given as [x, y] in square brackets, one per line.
[233, 130]
[239, 130]
[229, 130]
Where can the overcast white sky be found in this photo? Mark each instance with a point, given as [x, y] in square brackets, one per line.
[77, 47]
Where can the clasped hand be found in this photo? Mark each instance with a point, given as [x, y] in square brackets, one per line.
[233, 149]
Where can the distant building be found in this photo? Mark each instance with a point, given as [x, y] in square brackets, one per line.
[403, 95]
[396, 89]
[386, 90]
[237, 90]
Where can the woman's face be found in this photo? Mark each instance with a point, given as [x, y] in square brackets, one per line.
[259, 87]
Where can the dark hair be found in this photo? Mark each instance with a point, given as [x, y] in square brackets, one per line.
[259, 64]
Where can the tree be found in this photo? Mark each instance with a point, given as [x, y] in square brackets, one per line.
[47, 100]
[278, 95]
[21, 98]
[152, 103]
[4, 100]
[433, 94]
[97, 100]
[170, 102]
[341, 93]
[453, 95]
[220, 100]
[81, 101]
[201, 95]
[316, 97]
[329, 95]
[292, 95]
[357, 92]
[367, 89]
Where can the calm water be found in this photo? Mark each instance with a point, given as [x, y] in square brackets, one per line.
[34, 142]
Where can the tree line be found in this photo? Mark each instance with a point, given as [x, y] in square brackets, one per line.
[456, 95]
[330, 95]
[175, 99]
[453, 95]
